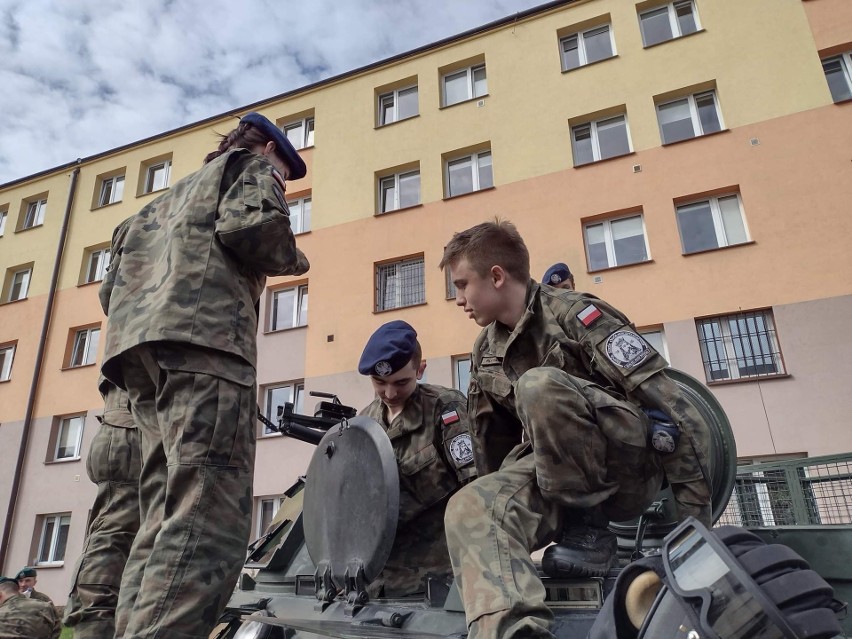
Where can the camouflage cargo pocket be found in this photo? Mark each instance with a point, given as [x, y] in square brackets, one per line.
[426, 477]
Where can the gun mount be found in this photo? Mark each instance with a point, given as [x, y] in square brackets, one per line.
[306, 428]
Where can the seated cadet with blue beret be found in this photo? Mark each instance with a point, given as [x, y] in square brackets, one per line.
[559, 276]
[428, 429]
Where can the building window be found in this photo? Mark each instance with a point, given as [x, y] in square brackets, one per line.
[616, 242]
[398, 105]
[2, 222]
[585, 47]
[276, 396]
[53, 538]
[668, 22]
[85, 348]
[599, 140]
[69, 436]
[399, 191]
[838, 73]
[300, 215]
[289, 308]
[300, 133]
[469, 173]
[7, 354]
[267, 507]
[400, 284]
[157, 176]
[657, 339]
[466, 84]
[18, 284]
[461, 373]
[34, 215]
[689, 117]
[97, 265]
[450, 286]
[112, 190]
[740, 346]
[710, 224]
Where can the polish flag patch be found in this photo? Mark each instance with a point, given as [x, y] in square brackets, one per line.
[450, 418]
[588, 315]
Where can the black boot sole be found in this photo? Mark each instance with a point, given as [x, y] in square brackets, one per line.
[564, 569]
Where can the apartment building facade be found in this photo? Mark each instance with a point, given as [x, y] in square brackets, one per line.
[690, 161]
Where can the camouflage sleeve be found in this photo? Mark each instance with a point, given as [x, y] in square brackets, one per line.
[687, 467]
[455, 428]
[253, 220]
[115, 250]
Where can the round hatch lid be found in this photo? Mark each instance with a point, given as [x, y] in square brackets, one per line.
[352, 499]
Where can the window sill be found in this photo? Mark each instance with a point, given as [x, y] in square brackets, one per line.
[5, 381]
[618, 267]
[106, 206]
[697, 137]
[22, 299]
[589, 64]
[74, 368]
[47, 565]
[597, 162]
[719, 248]
[844, 101]
[455, 197]
[745, 380]
[29, 228]
[657, 44]
[450, 106]
[301, 233]
[62, 461]
[400, 210]
[385, 126]
[82, 284]
[275, 331]
[165, 188]
[397, 308]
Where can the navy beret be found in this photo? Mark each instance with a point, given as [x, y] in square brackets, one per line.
[389, 349]
[286, 151]
[557, 274]
[26, 572]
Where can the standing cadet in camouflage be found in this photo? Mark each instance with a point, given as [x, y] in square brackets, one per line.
[24, 618]
[113, 464]
[428, 429]
[569, 373]
[180, 294]
[27, 579]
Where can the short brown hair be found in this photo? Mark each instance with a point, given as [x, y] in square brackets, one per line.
[245, 135]
[489, 244]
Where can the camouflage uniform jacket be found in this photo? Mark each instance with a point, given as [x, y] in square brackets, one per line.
[40, 596]
[589, 339]
[28, 619]
[431, 443]
[192, 264]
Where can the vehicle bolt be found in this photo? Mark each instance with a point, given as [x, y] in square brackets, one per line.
[329, 450]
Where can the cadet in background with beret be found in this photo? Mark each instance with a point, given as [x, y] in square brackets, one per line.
[27, 579]
[559, 276]
[428, 429]
[23, 617]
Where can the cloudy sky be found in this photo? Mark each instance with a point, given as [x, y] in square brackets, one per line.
[78, 77]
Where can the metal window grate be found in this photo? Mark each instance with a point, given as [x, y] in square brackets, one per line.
[811, 491]
[400, 284]
[739, 346]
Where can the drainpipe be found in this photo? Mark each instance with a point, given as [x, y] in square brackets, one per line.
[39, 362]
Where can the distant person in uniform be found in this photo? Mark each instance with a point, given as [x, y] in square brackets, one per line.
[180, 295]
[23, 617]
[113, 464]
[560, 276]
[560, 382]
[27, 580]
[428, 429]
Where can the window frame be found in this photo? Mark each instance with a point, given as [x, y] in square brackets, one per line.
[458, 374]
[695, 118]
[845, 60]
[300, 307]
[276, 505]
[726, 342]
[78, 444]
[308, 126]
[381, 286]
[674, 24]
[150, 175]
[476, 181]
[4, 215]
[102, 256]
[397, 178]
[7, 359]
[111, 182]
[718, 221]
[664, 352]
[394, 95]
[38, 207]
[595, 139]
[301, 202]
[83, 337]
[470, 83]
[609, 241]
[296, 394]
[582, 54]
[58, 520]
[24, 289]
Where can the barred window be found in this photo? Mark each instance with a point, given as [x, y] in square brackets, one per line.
[400, 284]
[740, 346]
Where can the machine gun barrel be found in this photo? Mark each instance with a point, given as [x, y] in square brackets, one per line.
[306, 428]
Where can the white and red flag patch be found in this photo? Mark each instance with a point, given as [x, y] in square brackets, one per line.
[588, 315]
[450, 418]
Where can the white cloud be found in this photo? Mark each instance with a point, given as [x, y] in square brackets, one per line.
[82, 77]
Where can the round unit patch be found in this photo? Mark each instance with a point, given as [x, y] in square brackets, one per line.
[626, 349]
[663, 442]
[461, 449]
[383, 368]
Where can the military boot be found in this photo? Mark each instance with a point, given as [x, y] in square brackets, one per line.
[587, 547]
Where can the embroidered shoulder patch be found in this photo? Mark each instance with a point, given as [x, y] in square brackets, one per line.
[450, 417]
[589, 315]
[626, 349]
[461, 449]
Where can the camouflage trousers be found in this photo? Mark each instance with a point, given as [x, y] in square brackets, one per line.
[586, 449]
[114, 464]
[195, 495]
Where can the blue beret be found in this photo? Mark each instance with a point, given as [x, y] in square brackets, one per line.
[389, 349]
[556, 274]
[283, 147]
[26, 572]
